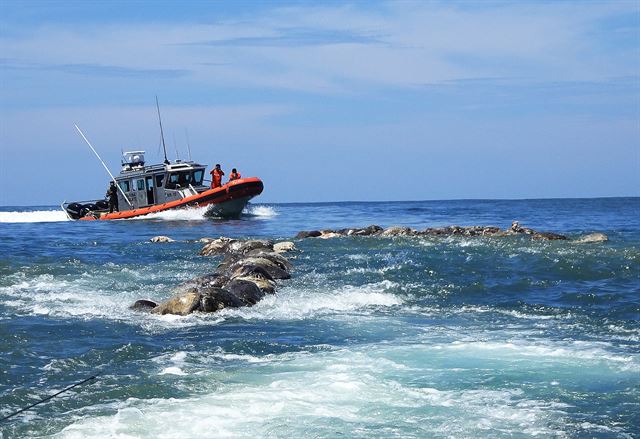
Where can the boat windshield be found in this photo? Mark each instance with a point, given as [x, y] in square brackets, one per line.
[183, 179]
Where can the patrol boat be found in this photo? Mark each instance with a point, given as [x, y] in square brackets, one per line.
[145, 189]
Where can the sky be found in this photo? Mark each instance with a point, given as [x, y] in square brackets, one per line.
[326, 101]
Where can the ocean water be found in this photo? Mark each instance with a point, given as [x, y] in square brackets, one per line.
[371, 338]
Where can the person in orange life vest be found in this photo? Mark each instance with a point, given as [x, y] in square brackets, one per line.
[216, 176]
[235, 175]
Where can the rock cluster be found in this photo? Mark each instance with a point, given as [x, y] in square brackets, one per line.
[248, 272]
[161, 239]
[374, 230]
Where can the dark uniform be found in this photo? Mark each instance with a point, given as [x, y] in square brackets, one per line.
[112, 194]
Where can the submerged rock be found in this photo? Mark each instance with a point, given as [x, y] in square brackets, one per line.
[161, 239]
[592, 237]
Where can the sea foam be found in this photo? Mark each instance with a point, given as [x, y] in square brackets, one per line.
[33, 216]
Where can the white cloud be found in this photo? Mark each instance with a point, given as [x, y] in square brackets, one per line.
[322, 49]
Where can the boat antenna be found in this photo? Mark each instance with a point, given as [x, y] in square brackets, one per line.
[103, 164]
[186, 134]
[175, 146]
[166, 160]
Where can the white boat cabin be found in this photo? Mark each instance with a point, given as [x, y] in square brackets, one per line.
[146, 186]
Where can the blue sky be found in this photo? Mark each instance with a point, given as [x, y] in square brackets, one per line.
[327, 100]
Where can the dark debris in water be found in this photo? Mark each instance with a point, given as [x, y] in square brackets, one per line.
[490, 231]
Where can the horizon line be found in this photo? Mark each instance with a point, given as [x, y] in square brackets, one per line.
[394, 201]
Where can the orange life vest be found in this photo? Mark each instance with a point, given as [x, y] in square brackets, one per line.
[234, 176]
[216, 175]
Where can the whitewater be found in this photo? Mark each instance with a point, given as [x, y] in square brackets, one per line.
[188, 214]
[412, 337]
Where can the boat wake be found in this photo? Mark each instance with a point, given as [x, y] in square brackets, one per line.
[201, 213]
[33, 216]
[190, 214]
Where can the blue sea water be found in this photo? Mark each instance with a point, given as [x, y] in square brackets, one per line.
[372, 337]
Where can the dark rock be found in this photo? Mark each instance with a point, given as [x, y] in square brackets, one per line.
[547, 236]
[276, 258]
[215, 299]
[309, 234]
[273, 268]
[143, 305]
[266, 286]
[435, 231]
[245, 290]
[368, 231]
[208, 280]
[251, 271]
[229, 260]
[242, 247]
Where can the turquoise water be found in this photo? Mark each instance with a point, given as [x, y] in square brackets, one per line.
[372, 337]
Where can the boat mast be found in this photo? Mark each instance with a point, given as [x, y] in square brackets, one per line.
[103, 164]
[166, 160]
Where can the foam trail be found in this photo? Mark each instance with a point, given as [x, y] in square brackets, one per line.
[35, 216]
[189, 214]
[200, 213]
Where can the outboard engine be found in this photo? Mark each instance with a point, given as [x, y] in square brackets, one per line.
[74, 210]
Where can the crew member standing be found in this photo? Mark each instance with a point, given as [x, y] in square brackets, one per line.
[216, 176]
[235, 175]
[112, 194]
